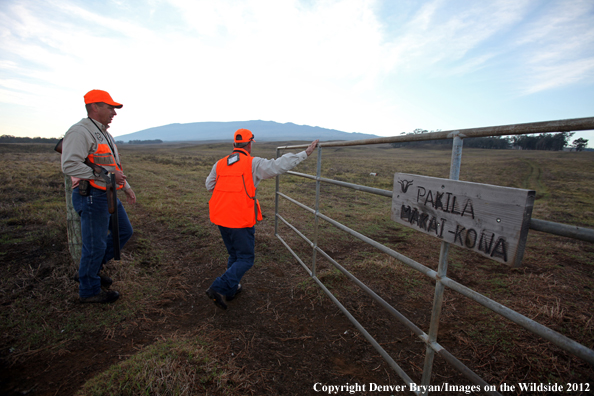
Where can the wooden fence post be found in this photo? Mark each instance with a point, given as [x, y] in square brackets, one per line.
[74, 231]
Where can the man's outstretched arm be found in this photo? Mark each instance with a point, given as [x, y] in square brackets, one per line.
[263, 169]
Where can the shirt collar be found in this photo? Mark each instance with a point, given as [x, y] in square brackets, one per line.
[100, 125]
[240, 150]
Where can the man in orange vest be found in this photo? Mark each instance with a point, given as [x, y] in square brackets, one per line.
[89, 138]
[235, 209]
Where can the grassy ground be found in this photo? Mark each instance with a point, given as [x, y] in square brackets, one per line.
[161, 339]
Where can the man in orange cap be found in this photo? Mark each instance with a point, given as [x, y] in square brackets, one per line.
[89, 138]
[235, 209]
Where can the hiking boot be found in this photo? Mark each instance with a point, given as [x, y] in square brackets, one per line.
[217, 298]
[229, 298]
[104, 297]
[105, 280]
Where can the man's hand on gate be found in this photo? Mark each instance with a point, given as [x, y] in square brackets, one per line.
[311, 147]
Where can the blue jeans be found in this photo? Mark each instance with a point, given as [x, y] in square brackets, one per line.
[97, 242]
[240, 244]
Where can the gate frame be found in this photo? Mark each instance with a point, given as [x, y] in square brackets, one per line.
[440, 277]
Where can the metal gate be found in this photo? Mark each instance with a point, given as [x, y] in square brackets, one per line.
[440, 276]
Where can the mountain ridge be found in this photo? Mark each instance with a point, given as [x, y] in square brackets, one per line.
[265, 131]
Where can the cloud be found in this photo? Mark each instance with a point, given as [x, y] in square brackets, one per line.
[9, 96]
[561, 74]
[446, 32]
[558, 47]
[8, 65]
[342, 64]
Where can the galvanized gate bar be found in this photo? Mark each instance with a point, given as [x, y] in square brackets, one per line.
[277, 181]
[448, 357]
[574, 124]
[556, 338]
[442, 270]
[581, 233]
[316, 220]
[403, 319]
[293, 253]
[372, 190]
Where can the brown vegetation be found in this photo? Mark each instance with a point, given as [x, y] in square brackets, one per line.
[283, 334]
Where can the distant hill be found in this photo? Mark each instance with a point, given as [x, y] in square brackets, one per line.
[264, 131]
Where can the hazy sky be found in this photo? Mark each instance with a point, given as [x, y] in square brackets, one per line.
[381, 67]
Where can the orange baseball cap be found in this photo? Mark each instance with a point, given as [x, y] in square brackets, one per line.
[98, 96]
[243, 136]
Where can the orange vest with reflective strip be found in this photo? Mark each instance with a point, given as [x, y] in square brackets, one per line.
[103, 157]
[233, 203]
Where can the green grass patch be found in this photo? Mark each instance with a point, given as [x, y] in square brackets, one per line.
[173, 367]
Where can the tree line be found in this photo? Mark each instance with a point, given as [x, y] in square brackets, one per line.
[16, 139]
[154, 141]
[543, 141]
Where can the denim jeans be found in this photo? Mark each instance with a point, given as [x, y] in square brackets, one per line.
[97, 242]
[240, 244]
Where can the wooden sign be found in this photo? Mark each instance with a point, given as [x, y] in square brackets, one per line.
[490, 220]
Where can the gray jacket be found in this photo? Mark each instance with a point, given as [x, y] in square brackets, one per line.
[79, 141]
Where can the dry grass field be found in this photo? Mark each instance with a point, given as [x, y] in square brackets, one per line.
[283, 334]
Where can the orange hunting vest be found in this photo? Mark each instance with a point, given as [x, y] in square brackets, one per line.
[103, 157]
[233, 203]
